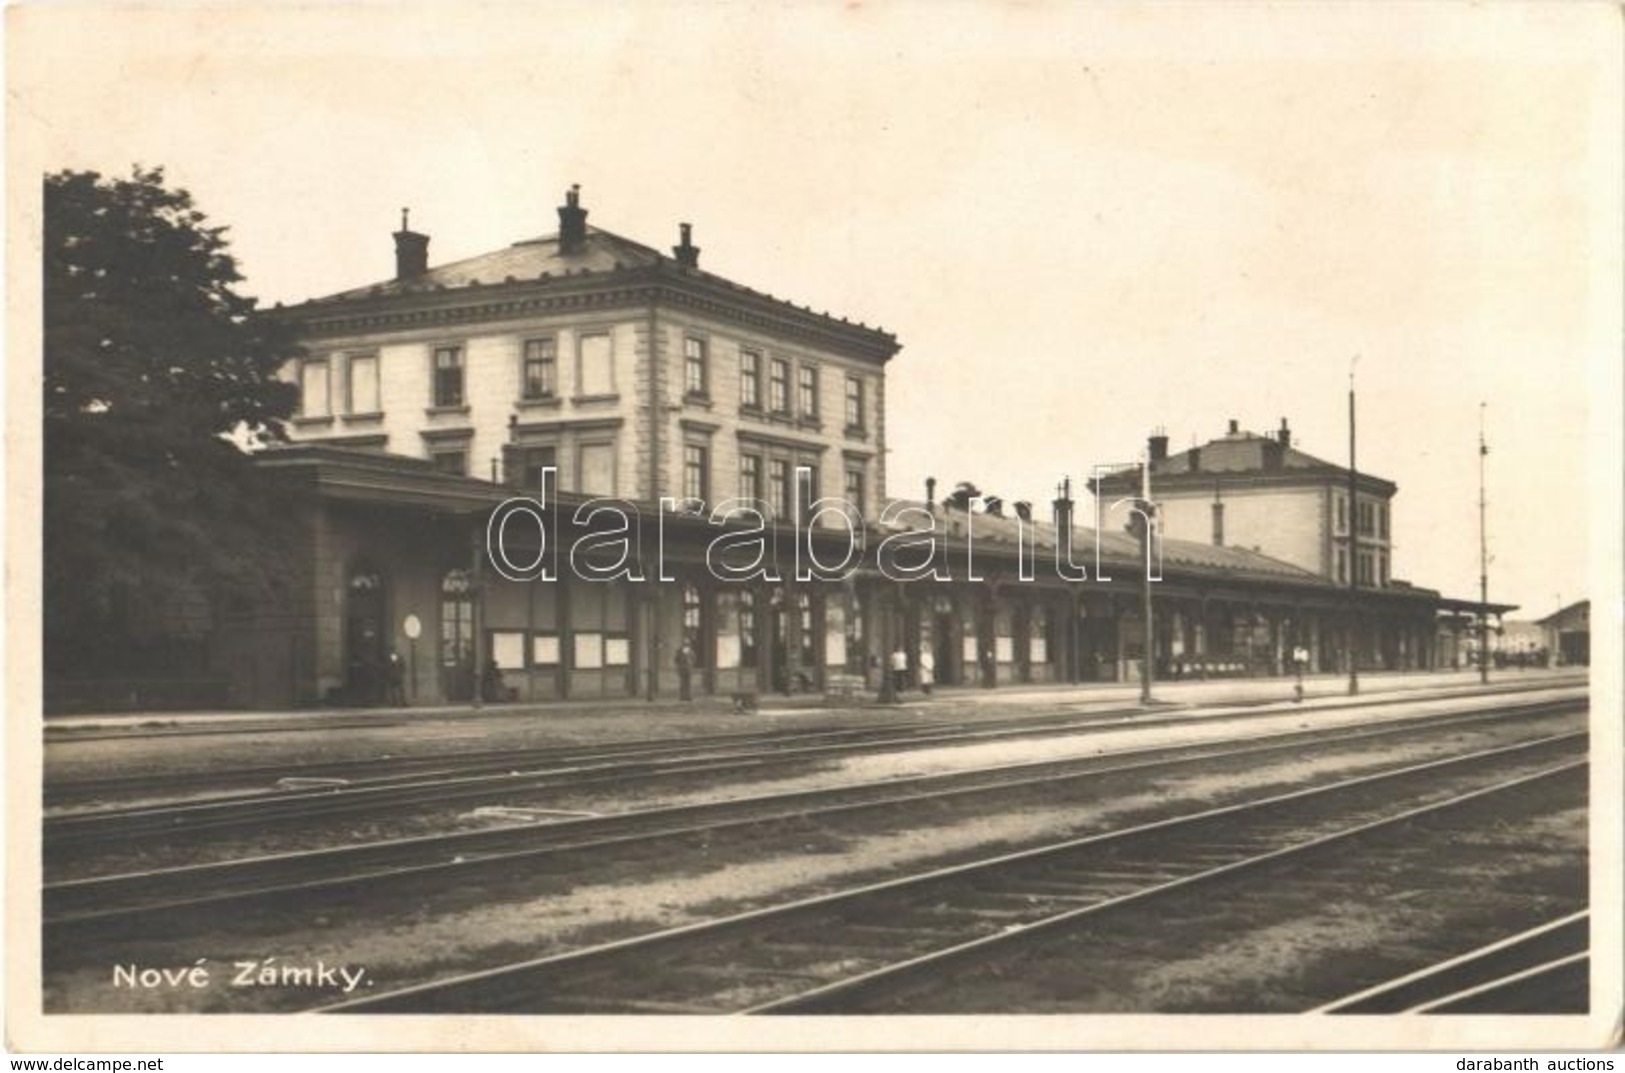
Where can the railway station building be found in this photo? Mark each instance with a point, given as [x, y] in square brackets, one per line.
[1568, 634]
[634, 376]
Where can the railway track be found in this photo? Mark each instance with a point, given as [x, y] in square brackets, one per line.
[239, 886]
[517, 776]
[384, 768]
[832, 952]
[1543, 964]
[378, 770]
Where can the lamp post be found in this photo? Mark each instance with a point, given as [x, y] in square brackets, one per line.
[476, 594]
[1148, 634]
[1483, 563]
[883, 605]
[1354, 552]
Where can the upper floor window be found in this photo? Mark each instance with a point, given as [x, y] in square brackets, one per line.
[854, 487]
[807, 477]
[448, 376]
[696, 472]
[1342, 515]
[695, 373]
[778, 487]
[361, 390]
[1342, 566]
[533, 462]
[854, 401]
[778, 386]
[363, 386]
[1382, 521]
[1218, 524]
[750, 379]
[809, 392]
[540, 376]
[595, 369]
[750, 477]
[314, 399]
[595, 468]
[450, 461]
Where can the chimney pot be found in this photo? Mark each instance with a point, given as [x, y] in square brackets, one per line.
[572, 222]
[411, 251]
[1284, 435]
[1159, 447]
[1235, 426]
[687, 254]
[1063, 518]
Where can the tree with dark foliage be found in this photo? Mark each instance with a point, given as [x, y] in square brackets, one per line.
[156, 372]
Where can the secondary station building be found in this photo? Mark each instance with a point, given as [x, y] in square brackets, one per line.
[633, 375]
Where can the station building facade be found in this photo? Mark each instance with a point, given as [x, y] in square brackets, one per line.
[433, 397]
[1256, 491]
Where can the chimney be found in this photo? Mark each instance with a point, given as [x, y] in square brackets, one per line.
[572, 222]
[411, 251]
[1194, 455]
[1284, 436]
[1235, 427]
[931, 493]
[1063, 520]
[1159, 446]
[687, 254]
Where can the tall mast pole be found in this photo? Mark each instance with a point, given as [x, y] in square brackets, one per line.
[1483, 563]
[1147, 633]
[1354, 550]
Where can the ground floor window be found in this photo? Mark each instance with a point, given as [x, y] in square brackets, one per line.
[806, 635]
[456, 636]
[747, 628]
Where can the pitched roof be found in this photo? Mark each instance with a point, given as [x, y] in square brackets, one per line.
[1239, 454]
[530, 259]
[602, 256]
[1120, 548]
[1242, 453]
[1578, 611]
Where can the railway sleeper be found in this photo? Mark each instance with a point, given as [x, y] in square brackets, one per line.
[830, 957]
[893, 930]
[1084, 877]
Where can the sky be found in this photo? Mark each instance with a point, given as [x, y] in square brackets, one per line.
[1083, 222]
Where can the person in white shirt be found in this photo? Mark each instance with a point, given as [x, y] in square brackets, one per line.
[928, 669]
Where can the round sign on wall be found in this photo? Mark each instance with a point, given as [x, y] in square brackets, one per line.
[412, 627]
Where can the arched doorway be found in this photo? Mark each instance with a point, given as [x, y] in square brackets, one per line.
[456, 636]
[365, 653]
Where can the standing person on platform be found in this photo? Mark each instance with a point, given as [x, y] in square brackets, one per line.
[928, 669]
[397, 679]
[899, 670]
[685, 671]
